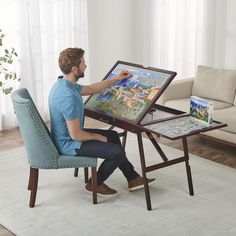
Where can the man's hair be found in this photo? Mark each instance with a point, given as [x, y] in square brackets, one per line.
[70, 57]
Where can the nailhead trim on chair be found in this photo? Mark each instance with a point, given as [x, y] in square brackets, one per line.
[73, 166]
[44, 138]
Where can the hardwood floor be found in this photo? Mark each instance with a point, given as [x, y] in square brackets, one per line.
[198, 145]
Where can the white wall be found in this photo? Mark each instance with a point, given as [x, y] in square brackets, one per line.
[112, 29]
[230, 44]
[119, 30]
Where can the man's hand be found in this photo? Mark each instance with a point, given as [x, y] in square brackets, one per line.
[101, 138]
[123, 75]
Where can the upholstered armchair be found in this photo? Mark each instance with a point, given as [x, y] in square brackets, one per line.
[41, 151]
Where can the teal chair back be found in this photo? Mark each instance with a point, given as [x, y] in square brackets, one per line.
[41, 151]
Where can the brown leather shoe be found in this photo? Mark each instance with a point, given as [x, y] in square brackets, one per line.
[102, 190]
[138, 183]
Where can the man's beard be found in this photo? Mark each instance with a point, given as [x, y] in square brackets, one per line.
[79, 76]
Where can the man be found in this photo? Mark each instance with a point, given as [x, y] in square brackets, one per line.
[67, 116]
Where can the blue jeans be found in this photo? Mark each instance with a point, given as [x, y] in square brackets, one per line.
[112, 152]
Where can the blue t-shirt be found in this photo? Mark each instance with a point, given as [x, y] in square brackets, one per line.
[65, 103]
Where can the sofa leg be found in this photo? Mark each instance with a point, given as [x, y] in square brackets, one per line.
[76, 172]
[94, 184]
[33, 185]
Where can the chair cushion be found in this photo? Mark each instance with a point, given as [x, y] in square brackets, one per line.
[183, 105]
[76, 161]
[215, 84]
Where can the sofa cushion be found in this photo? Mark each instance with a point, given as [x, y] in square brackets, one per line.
[215, 84]
[183, 105]
[179, 104]
[228, 116]
[221, 105]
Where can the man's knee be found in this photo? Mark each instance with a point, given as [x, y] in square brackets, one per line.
[113, 136]
[112, 133]
[119, 154]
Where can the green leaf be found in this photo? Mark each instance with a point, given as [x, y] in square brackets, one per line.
[7, 57]
[7, 90]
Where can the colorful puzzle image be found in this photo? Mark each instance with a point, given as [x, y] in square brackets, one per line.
[129, 98]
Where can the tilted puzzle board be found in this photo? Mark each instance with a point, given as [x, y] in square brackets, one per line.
[131, 98]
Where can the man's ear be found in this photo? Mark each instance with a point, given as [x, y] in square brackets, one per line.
[74, 69]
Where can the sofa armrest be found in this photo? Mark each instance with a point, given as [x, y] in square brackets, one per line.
[178, 89]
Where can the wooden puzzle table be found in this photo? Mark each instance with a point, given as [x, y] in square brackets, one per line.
[162, 121]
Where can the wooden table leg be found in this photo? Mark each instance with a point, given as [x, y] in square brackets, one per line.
[188, 169]
[143, 165]
[124, 139]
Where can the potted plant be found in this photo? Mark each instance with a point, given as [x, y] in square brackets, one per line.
[7, 57]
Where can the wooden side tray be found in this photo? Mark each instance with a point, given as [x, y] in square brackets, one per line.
[178, 127]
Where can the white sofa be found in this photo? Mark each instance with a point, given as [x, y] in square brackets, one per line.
[215, 84]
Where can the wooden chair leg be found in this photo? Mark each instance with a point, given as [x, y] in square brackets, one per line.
[94, 184]
[76, 172]
[33, 185]
[30, 179]
[86, 175]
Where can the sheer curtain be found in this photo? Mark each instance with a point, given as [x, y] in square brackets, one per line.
[41, 29]
[185, 33]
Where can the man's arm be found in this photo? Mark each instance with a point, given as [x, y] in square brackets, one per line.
[98, 87]
[81, 135]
